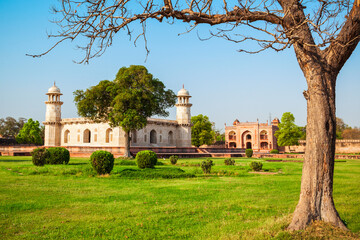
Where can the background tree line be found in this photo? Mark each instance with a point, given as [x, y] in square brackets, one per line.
[21, 131]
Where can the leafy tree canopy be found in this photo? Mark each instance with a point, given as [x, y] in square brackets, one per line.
[9, 127]
[351, 133]
[127, 101]
[288, 133]
[30, 133]
[201, 131]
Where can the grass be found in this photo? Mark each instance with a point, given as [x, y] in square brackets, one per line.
[168, 202]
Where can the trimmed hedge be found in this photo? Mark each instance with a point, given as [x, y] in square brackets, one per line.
[102, 162]
[256, 166]
[146, 159]
[249, 153]
[58, 155]
[39, 156]
[229, 161]
[274, 151]
[206, 166]
[173, 159]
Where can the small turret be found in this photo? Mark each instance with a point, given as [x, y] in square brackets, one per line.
[183, 114]
[183, 117]
[53, 117]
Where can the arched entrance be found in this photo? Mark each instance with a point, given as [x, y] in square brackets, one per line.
[264, 145]
[87, 136]
[232, 145]
[246, 138]
[153, 138]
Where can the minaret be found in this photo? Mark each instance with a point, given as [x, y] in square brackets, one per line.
[53, 117]
[183, 117]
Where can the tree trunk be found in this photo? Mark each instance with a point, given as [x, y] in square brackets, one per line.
[316, 196]
[127, 144]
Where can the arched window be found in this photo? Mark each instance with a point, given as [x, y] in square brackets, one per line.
[87, 136]
[248, 137]
[263, 135]
[66, 136]
[133, 136]
[109, 135]
[171, 137]
[232, 135]
[153, 136]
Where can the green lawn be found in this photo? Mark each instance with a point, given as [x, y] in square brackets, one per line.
[71, 202]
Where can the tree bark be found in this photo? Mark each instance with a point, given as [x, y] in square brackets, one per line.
[127, 144]
[316, 196]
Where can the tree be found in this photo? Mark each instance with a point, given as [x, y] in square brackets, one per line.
[351, 133]
[340, 127]
[201, 131]
[127, 101]
[323, 35]
[9, 127]
[219, 136]
[288, 133]
[30, 133]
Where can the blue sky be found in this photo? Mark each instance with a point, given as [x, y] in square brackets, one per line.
[225, 84]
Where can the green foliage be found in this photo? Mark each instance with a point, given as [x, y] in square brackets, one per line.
[201, 131]
[288, 133]
[256, 166]
[9, 127]
[249, 153]
[146, 159]
[206, 166]
[173, 159]
[303, 133]
[102, 162]
[229, 161]
[30, 133]
[127, 101]
[39, 156]
[58, 155]
[274, 151]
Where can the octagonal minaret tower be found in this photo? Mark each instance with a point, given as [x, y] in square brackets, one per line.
[183, 117]
[53, 117]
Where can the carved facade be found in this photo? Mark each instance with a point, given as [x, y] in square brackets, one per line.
[82, 132]
[252, 135]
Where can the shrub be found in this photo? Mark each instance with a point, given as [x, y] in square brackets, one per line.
[58, 155]
[256, 166]
[173, 159]
[229, 161]
[102, 161]
[249, 153]
[274, 151]
[153, 157]
[146, 159]
[39, 156]
[206, 166]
